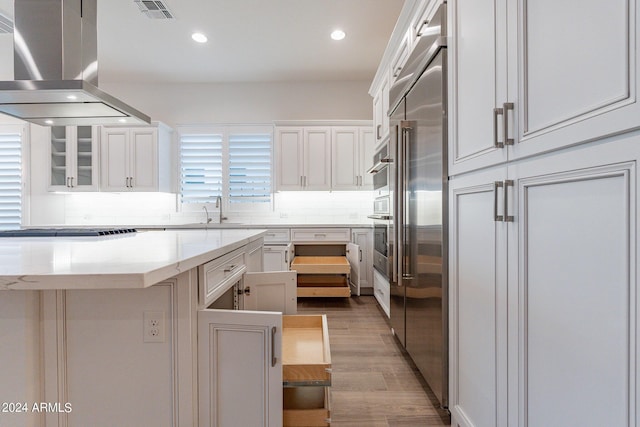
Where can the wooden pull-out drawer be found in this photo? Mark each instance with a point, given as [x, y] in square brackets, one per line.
[323, 285]
[321, 265]
[306, 356]
[306, 406]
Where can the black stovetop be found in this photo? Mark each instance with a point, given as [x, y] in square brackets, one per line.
[60, 232]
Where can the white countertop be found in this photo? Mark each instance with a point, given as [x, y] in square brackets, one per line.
[136, 260]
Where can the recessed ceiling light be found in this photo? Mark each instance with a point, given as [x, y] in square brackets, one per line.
[49, 122]
[122, 120]
[199, 37]
[72, 97]
[338, 35]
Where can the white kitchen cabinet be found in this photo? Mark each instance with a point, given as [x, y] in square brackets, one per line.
[380, 111]
[277, 257]
[478, 83]
[363, 237]
[351, 156]
[401, 55]
[543, 305]
[507, 102]
[382, 292]
[135, 159]
[73, 159]
[239, 368]
[303, 157]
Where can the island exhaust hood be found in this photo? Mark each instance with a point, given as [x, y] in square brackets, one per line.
[56, 68]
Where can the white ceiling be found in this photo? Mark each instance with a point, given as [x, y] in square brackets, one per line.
[249, 40]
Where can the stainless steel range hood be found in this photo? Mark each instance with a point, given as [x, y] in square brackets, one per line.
[56, 68]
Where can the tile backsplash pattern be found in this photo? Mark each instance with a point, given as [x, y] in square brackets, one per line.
[295, 207]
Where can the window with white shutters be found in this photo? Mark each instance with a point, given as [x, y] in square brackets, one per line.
[249, 168]
[10, 181]
[201, 168]
[233, 162]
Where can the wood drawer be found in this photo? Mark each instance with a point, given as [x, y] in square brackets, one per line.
[326, 285]
[216, 276]
[306, 406]
[306, 355]
[278, 235]
[321, 265]
[320, 235]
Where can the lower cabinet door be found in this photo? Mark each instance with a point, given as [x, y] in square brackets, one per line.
[271, 291]
[239, 368]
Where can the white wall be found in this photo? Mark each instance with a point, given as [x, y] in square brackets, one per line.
[176, 104]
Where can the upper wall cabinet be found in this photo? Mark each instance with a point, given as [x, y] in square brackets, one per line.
[135, 159]
[303, 158]
[351, 156]
[323, 157]
[380, 111]
[531, 77]
[73, 158]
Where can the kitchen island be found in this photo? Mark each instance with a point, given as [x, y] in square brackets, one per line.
[103, 331]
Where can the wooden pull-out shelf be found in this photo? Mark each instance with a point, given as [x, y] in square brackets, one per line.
[306, 406]
[323, 286]
[306, 370]
[322, 276]
[306, 357]
[321, 265]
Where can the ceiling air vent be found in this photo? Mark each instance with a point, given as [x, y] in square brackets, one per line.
[154, 9]
[6, 25]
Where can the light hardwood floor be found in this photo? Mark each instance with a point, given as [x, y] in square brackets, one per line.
[374, 382]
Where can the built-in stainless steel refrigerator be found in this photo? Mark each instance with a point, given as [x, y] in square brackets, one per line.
[418, 142]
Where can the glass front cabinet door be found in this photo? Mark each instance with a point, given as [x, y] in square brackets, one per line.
[73, 158]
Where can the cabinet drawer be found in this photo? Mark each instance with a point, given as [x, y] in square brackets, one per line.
[319, 235]
[306, 356]
[216, 276]
[306, 406]
[280, 235]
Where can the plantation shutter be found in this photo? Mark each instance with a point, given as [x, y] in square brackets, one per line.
[201, 168]
[250, 168]
[10, 181]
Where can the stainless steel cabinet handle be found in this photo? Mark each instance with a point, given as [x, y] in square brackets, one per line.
[497, 112]
[496, 217]
[68, 182]
[301, 181]
[508, 183]
[396, 73]
[71, 182]
[274, 360]
[131, 181]
[360, 255]
[378, 136]
[507, 106]
[230, 268]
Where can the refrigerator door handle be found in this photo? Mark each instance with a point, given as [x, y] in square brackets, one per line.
[404, 184]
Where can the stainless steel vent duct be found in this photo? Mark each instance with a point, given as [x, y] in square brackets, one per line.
[56, 68]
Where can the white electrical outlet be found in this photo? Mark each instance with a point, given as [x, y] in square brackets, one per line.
[153, 326]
